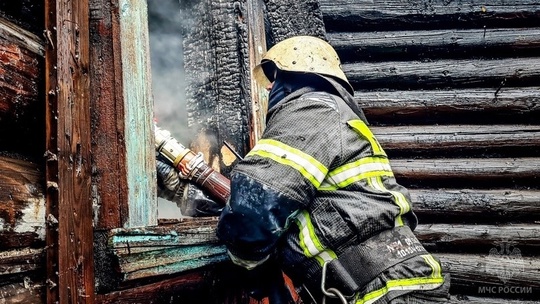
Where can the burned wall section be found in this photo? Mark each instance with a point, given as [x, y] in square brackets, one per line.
[21, 79]
[217, 69]
[217, 109]
[291, 18]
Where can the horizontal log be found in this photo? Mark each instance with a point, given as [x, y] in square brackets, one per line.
[10, 239]
[28, 14]
[167, 249]
[13, 34]
[457, 136]
[450, 43]
[25, 292]
[444, 73]
[22, 200]
[169, 261]
[159, 292]
[467, 205]
[417, 104]
[462, 237]
[396, 14]
[188, 231]
[469, 168]
[19, 261]
[21, 58]
[465, 299]
[21, 69]
[482, 275]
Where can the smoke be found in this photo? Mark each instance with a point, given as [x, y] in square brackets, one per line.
[168, 78]
[165, 24]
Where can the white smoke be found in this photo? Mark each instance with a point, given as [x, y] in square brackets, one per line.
[168, 78]
[166, 56]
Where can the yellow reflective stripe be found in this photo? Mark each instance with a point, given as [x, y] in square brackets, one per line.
[401, 284]
[309, 242]
[304, 163]
[399, 198]
[361, 128]
[435, 266]
[360, 169]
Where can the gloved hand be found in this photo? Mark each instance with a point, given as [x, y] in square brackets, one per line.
[191, 200]
[169, 184]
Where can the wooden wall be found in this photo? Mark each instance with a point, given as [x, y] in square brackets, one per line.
[22, 142]
[452, 90]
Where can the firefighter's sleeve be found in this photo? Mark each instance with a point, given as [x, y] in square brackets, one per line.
[278, 178]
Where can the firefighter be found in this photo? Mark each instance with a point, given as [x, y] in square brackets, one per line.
[316, 195]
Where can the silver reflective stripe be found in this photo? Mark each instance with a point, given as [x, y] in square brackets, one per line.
[248, 264]
[361, 169]
[304, 163]
[309, 242]
[399, 198]
[435, 266]
[419, 283]
[401, 284]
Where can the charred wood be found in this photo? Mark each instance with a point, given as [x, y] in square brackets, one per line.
[474, 206]
[27, 14]
[18, 261]
[474, 273]
[291, 18]
[24, 292]
[479, 238]
[11, 239]
[21, 106]
[465, 299]
[468, 168]
[218, 111]
[442, 74]
[456, 43]
[144, 253]
[22, 203]
[489, 105]
[457, 137]
[186, 288]
[394, 14]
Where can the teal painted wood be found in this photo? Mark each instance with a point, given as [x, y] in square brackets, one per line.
[124, 241]
[176, 267]
[138, 111]
[173, 255]
[192, 231]
[166, 249]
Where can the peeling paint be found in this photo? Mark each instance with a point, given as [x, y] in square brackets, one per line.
[33, 218]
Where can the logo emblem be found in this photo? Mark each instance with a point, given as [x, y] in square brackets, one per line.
[504, 261]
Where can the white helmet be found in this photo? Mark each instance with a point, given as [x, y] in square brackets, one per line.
[305, 54]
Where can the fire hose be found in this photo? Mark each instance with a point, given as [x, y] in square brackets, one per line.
[192, 166]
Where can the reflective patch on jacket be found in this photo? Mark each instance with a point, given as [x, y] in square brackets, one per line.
[334, 180]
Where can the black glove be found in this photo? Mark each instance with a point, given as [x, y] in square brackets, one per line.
[196, 203]
[191, 200]
[169, 184]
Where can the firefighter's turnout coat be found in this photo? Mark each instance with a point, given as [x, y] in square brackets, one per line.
[316, 184]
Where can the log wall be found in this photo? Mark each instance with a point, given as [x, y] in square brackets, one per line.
[451, 89]
[22, 142]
